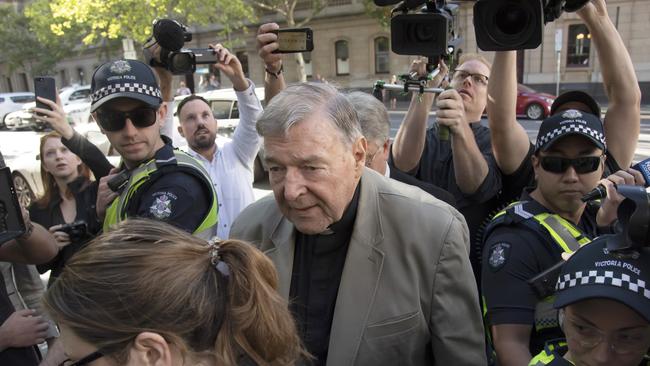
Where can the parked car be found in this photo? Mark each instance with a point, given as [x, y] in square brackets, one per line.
[533, 104]
[24, 161]
[10, 102]
[75, 100]
[226, 111]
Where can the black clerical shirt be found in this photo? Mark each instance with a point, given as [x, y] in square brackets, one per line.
[317, 268]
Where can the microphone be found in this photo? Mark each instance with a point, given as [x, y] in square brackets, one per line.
[644, 167]
[597, 193]
[169, 34]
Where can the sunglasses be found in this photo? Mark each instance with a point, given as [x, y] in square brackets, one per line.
[112, 120]
[555, 164]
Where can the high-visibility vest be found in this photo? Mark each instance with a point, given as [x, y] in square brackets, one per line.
[152, 170]
[551, 354]
[554, 228]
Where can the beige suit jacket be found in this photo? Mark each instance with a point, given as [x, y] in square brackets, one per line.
[407, 294]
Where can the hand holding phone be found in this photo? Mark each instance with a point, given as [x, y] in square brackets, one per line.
[293, 40]
[44, 87]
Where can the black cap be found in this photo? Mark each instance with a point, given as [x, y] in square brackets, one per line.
[124, 79]
[570, 122]
[576, 96]
[593, 272]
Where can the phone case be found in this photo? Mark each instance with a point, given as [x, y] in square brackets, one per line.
[44, 87]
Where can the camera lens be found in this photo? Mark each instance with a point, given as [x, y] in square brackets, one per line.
[181, 62]
[512, 19]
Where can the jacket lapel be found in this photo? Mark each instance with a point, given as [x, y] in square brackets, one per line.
[361, 273]
[283, 240]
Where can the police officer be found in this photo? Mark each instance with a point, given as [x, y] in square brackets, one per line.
[529, 236]
[604, 302]
[154, 180]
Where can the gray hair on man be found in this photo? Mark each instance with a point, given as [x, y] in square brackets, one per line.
[297, 102]
[373, 116]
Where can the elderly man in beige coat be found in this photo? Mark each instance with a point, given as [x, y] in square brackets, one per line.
[376, 272]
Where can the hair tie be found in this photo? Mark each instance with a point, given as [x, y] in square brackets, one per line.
[215, 258]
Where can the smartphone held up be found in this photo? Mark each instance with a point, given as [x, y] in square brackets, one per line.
[44, 87]
[292, 40]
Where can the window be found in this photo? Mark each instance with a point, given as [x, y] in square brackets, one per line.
[234, 114]
[22, 99]
[80, 94]
[382, 65]
[342, 58]
[221, 109]
[10, 86]
[308, 66]
[64, 77]
[242, 56]
[579, 44]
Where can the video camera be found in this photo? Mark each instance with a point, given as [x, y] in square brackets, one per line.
[171, 36]
[431, 31]
[502, 25]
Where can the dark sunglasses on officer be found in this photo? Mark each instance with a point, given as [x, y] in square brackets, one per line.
[113, 120]
[559, 165]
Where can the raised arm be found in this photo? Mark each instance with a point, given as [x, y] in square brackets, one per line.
[273, 77]
[410, 139]
[623, 118]
[78, 144]
[510, 142]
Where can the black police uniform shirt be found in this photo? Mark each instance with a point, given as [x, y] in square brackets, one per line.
[176, 197]
[436, 166]
[519, 254]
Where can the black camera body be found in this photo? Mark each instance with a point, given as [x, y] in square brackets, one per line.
[76, 230]
[430, 32]
[502, 25]
[171, 36]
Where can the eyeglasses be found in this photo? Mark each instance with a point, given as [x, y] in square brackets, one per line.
[621, 342]
[556, 164]
[84, 361]
[460, 75]
[112, 120]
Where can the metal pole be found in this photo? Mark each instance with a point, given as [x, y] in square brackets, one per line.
[557, 83]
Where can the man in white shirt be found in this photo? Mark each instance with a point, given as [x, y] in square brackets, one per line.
[231, 166]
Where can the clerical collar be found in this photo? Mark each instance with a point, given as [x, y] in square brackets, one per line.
[347, 220]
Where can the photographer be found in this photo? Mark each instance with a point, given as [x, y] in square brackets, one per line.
[462, 162]
[231, 166]
[67, 206]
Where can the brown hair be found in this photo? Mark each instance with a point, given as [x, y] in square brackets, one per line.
[149, 276]
[50, 189]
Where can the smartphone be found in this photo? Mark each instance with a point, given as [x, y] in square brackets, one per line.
[44, 87]
[292, 40]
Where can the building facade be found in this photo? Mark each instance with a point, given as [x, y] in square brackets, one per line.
[352, 50]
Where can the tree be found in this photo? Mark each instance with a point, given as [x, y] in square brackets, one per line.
[381, 13]
[21, 48]
[287, 10]
[117, 19]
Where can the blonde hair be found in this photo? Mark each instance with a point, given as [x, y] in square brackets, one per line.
[149, 276]
[474, 57]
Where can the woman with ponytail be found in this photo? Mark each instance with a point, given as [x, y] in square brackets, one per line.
[150, 294]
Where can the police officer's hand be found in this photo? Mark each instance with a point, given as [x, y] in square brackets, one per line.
[56, 117]
[267, 42]
[105, 194]
[609, 206]
[230, 66]
[62, 238]
[23, 328]
[451, 112]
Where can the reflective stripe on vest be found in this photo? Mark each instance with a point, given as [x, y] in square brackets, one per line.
[549, 353]
[116, 212]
